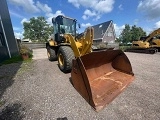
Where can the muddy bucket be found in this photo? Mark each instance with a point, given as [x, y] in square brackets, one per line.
[101, 76]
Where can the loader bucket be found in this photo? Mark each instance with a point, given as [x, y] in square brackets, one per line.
[101, 76]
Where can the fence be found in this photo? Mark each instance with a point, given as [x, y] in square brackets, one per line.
[34, 45]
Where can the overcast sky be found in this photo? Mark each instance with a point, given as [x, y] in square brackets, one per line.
[145, 13]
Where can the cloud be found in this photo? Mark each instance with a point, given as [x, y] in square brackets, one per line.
[27, 5]
[51, 15]
[44, 7]
[15, 14]
[150, 8]
[87, 14]
[84, 17]
[16, 28]
[18, 35]
[85, 3]
[86, 25]
[136, 21]
[97, 17]
[24, 20]
[97, 7]
[148, 30]
[104, 6]
[30, 6]
[58, 12]
[157, 24]
[120, 7]
[118, 29]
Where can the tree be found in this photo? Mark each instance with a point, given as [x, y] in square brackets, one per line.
[118, 40]
[137, 32]
[125, 36]
[37, 29]
[130, 34]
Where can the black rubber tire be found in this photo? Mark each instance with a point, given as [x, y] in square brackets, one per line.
[67, 53]
[152, 51]
[51, 54]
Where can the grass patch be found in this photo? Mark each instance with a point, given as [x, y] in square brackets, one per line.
[15, 59]
[28, 60]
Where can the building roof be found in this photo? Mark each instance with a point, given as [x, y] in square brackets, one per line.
[100, 29]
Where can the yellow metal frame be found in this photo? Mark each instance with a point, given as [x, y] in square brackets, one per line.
[52, 42]
[141, 44]
[61, 59]
[83, 45]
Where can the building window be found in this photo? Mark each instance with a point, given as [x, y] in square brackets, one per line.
[110, 33]
[100, 26]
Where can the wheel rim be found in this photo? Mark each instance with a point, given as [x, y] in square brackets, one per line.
[61, 59]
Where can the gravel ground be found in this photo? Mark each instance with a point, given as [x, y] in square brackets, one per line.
[38, 90]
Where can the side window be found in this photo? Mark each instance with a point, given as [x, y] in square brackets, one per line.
[55, 28]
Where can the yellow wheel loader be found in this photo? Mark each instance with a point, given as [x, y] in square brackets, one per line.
[65, 45]
[149, 44]
[99, 76]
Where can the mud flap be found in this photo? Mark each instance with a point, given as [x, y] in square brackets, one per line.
[101, 76]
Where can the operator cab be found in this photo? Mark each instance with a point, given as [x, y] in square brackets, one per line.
[63, 25]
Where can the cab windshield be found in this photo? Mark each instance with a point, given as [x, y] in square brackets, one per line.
[68, 26]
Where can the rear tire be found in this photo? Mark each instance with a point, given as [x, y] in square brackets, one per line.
[51, 54]
[65, 56]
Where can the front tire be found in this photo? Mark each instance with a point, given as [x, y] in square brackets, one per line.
[65, 56]
[51, 53]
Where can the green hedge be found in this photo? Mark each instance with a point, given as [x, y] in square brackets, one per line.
[123, 48]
